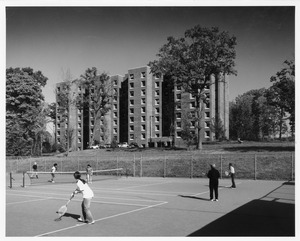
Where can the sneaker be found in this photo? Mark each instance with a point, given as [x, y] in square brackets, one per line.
[216, 200]
[211, 200]
[80, 220]
[53, 181]
[91, 222]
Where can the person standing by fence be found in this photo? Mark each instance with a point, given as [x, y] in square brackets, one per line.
[89, 173]
[213, 175]
[232, 175]
[53, 170]
[34, 169]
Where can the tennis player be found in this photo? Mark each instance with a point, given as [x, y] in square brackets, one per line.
[53, 170]
[213, 175]
[89, 173]
[87, 194]
[34, 174]
[232, 175]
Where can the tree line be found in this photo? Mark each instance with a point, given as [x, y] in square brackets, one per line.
[201, 58]
[266, 113]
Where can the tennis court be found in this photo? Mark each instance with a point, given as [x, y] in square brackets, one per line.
[154, 207]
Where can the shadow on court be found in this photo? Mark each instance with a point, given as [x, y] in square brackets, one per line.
[194, 197]
[272, 215]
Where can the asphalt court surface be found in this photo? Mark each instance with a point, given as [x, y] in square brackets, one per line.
[154, 207]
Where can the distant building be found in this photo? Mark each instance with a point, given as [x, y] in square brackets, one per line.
[145, 109]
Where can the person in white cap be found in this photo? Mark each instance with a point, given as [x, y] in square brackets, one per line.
[213, 175]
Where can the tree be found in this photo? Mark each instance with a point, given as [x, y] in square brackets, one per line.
[24, 109]
[191, 62]
[282, 94]
[97, 95]
[187, 134]
[217, 127]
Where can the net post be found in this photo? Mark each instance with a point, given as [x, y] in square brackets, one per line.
[10, 179]
[23, 181]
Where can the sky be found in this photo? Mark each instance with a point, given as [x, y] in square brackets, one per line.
[115, 39]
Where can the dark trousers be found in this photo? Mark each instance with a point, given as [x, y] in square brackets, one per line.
[213, 188]
[232, 180]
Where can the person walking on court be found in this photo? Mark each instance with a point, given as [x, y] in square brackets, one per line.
[53, 170]
[232, 175]
[213, 175]
[34, 168]
[87, 194]
[89, 173]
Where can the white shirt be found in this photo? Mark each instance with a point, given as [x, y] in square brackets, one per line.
[232, 170]
[53, 169]
[85, 189]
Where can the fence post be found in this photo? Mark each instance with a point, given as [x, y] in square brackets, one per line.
[221, 164]
[133, 165]
[165, 166]
[191, 166]
[141, 166]
[10, 179]
[292, 157]
[255, 166]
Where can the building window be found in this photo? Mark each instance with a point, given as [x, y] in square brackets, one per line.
[115, 106]
[79, 125]
[156, 110]
[207, 124]
[207, 114]
[178, 96]
[131, 102]
[143, 101]
[115, 115]
[157, 135]
[79, 140]
[156, 76]
[58, 133]
[92, 122]
[156, 127]
[143, 127]
[131, 128]
[143, 92]
[131, 85]
[131, 76]
[156, 84]
[79, 132]
[143, 83]
[58, 89]
[115, 131]
[207, 105]
[115, 82]
[156, 92]
[178, 134]
[131, 93]
[143, 74]
[115, 98]
[115, 122]
[131, 111]
[178, 125]
[58, 118]
[143, 136]
[192, 105]
[58, 126]
[156, 118]
[178, 106]
[193, 123]
[143, 118]
[143, 109]
[58, 140]
[178, 115]
[115, 91]
[207, 134]
[131, 119]
[131, 137]
[156, 101]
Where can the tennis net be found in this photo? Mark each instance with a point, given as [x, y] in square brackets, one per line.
[33, 178]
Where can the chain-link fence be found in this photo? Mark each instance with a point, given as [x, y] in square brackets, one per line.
[275, 166]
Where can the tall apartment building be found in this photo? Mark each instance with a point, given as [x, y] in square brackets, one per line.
[146, 110]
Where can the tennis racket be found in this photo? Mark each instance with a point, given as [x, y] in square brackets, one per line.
[61, 212]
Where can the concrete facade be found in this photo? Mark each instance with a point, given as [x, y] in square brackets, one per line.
[145, 110]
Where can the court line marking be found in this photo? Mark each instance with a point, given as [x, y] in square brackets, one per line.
[101, 219]
[101, 197]
[94, 201]
[220, 188]
[146, 185]
[35, 200]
